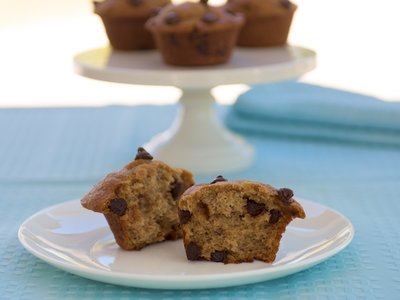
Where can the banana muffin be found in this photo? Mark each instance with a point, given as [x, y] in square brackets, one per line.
[139, 201]
[195, 33]
[235, 221]
[267, 21]
[124, 22]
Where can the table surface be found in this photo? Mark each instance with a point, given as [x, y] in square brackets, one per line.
[53, 155]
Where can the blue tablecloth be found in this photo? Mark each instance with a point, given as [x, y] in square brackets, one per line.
[49, 156]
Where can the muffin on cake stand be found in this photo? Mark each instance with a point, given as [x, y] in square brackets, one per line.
[197, 140]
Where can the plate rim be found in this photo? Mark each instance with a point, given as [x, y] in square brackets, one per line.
[201, 281]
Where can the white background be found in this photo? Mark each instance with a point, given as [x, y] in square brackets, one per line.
[357, 42]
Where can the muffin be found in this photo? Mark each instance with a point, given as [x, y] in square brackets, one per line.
[139, 202]
[267, 21]
[235, 221]
[195, 34]
[124, 22]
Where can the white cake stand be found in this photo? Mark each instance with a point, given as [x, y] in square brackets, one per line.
[197, 140]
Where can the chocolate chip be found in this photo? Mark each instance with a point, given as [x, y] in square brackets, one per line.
[135, 2]
[286, 4]
[203, 48]
[286, 195]
[200, 41]
[205, 2]
[143, 154]
[254, 208]
[184, 216]
[176, 190]
[274, 217]
[219, 178]
[193, 251]
[195, 34]
[155, 11]
[169, 237]
[172, 18]
[218, 256]
[118, 206]
[209, 18]
[230, 11]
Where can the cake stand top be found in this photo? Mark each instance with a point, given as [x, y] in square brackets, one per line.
[247, 65]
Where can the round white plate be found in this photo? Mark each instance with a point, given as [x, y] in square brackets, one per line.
[79, 241]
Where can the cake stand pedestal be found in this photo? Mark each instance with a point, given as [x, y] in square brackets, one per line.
[197, 140]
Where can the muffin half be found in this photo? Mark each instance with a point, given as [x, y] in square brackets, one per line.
[139, 201]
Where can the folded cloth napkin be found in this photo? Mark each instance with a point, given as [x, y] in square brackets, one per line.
[300, 110]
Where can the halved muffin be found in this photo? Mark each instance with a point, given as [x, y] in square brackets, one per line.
[139, 202]
[235, 221]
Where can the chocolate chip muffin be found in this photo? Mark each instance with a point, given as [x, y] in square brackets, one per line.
[124, 22]
[139, 202]
[195, 34]
[267, 21]
[235, 221]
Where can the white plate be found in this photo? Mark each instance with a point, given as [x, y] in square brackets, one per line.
[79, 241]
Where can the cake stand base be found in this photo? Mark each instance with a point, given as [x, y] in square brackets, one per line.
[198, 141]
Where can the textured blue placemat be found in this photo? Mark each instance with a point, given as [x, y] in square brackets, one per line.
[52, 155]
[73, 144]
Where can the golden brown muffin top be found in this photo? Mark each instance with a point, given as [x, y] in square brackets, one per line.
[283, 197]
[128, 8]
[261, 7]
[135, 172]
[187, 16]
